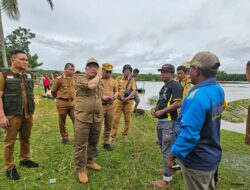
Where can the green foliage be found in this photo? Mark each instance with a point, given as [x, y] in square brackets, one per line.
[153, 100]
[11, 8]
[149, 77]
[129, 166]
[21, 39]
[236, 111]
[223, 76]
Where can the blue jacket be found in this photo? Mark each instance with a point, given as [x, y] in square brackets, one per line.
[198, 142]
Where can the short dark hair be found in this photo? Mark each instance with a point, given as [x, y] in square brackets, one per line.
[15, 52]
[182, 68]
[248, 64]
[136, 70]
[69, 64]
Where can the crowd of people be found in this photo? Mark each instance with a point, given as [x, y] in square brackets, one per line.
[188, 112]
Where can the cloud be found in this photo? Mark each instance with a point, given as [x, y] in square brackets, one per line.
[145, 34]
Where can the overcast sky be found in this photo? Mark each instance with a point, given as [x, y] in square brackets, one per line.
[143, 33]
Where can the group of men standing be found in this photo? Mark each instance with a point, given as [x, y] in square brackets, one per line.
[89, 100]
[188, 128]
[191, 134]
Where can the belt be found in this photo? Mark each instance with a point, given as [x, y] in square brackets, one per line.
[64, 99]
[104, 104]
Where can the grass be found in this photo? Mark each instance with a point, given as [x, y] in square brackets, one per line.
[236, 111]
[130, 166]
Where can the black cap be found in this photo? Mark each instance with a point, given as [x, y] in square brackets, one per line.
[127, 66]
[167, 67]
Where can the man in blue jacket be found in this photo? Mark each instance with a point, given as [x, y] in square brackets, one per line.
[198, 143]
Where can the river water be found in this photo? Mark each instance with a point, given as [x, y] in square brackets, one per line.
[232, 91]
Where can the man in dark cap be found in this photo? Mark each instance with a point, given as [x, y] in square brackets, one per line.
[198, 143]
[170, 97]
[123, 104]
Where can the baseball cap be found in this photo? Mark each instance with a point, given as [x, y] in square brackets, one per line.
[92, 61]
[167, 67]
[205, 61]
[107, 67]
[186, 64]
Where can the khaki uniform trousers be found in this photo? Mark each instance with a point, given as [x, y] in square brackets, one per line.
[247, 139]
[21, 125]
[108, 118]
[86, 141]
[62, 115]
[120, 108]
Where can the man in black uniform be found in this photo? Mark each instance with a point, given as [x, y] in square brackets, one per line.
[170, 97]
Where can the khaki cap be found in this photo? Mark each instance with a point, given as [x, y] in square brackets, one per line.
[205, 61]
[107, 67]
[93, 61]
[186, 64]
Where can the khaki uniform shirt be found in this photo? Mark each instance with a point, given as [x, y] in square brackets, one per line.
[24, 93]
[187, 85]
[109, 89]
[63, 89]
[122, 82]
[88, 101]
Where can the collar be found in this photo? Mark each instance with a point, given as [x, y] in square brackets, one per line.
[208, 82]
[66, 76]
[166, 83]
[123, 78]
[20, 73]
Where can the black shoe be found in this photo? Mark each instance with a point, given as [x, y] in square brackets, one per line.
[65, 141]
[107, 147]
[29, 164]
[12, 174]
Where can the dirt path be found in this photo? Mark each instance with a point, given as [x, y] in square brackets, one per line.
[236, 127]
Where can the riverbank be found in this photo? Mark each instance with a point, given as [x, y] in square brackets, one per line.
[129, 167]
[235, 127]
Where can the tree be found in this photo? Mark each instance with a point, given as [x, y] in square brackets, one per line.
[21, 39]
[10, 7]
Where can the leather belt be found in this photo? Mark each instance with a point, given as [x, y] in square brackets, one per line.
[64, 99]
[104, 104]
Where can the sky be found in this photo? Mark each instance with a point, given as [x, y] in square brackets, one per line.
[143, 33]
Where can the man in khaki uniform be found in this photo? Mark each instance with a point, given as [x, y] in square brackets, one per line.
[109, 94]
[88, 113]
[16, 112]
[126, 90]
[63, 89]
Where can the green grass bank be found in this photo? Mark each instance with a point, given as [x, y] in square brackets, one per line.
[130, 166]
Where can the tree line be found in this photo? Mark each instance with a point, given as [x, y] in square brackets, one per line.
[21, 39]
